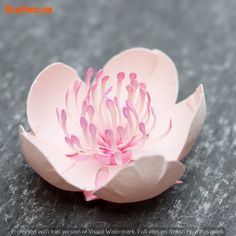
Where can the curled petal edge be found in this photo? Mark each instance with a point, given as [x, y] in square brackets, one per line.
[143, 179]
[198, 103]
[61, 173]
[187, 118]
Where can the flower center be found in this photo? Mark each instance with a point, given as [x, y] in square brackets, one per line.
[110, 120]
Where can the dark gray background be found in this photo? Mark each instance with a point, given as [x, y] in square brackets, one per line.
[200, 36]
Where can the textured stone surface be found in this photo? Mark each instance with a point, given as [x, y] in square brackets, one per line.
[198, 35]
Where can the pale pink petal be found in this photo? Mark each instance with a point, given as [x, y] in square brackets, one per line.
[47, 93]
[89, 196]
[197, 104]
[187, 120]
[101, 178]
[145, 178]
[152, 67]
[57, 169]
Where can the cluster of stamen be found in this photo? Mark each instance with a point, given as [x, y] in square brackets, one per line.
[110, 121]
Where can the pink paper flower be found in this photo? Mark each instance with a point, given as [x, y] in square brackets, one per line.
[119, 138]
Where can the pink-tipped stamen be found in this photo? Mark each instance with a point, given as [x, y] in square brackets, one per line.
[88, 77]
[120, 135]
[93, 134]
[142, 86]
[104, 82]
[133, 76]
[134, 84]
[84, 108]
[98, 75]
[126, 113]
[63, 120]
[141, 99]
[120, 78]
[102, 110]
[110, 138]
[111, 107]
[93, 93]
[117, 104]
[130, 92]
[90, 112]
[131, 107]
[84, 126]
[142, 128]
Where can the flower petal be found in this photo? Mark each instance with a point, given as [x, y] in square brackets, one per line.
[57, 169]
[101, 178]
[187, 117]
[46, 94]
[197, 104]
[144, 178]
[154, 68]
[89, 196]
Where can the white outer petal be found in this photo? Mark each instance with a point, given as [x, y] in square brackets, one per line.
[55, 167]
[144, 178]
[197, 122]
[41, 165]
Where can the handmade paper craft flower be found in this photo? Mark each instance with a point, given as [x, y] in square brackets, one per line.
[118, 136]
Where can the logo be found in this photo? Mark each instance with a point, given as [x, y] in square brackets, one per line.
[10, 9]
